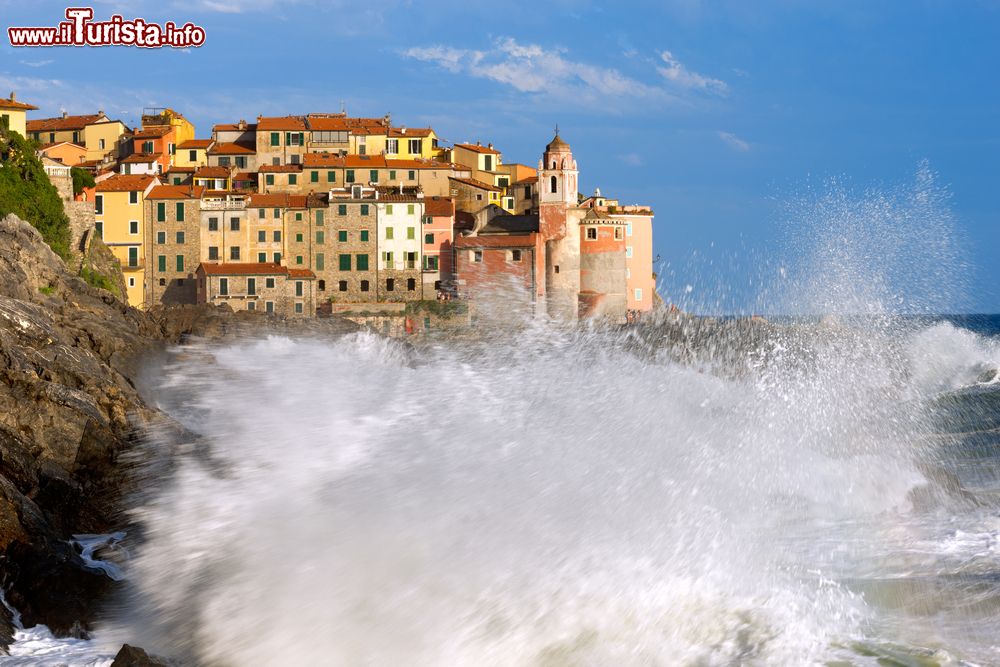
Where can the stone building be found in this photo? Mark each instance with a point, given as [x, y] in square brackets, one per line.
[266, 287]
[224, 231]
[471, 195]
[280, 140]
[173, 237]
[345, 248]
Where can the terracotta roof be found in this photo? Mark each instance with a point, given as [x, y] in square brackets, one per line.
[277, 200]
[125, 183]
[476, 148]
[232, 148]
[61, 123]
[183, 170]
[338, 123]
[212, 172]
[244, 269]
[525, 181]
[196, 143]
[557, 143]
[234, 127]
[10, 103]
[245, 176]
[368, 131]
[439, 207]
[322, 160]
[464, 220]
[474, 183]
[410, 132]
[45, 147]
[496, 241]
[422, 164]
[296, 123]
[279, 168]
[141, 158]
[152, 132]
[301, 274]
[364, 162]
[176, 192]
[390, 196]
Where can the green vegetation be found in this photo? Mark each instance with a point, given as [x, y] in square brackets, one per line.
[97, 279]
[81, 179]
[26, 192]
[48, 290]
[442, 309]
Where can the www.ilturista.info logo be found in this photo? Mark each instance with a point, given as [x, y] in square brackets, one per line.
[80, 30]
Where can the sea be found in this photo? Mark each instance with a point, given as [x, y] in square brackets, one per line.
[821, 490]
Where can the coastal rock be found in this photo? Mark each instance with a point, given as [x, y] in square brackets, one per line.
[133, 656]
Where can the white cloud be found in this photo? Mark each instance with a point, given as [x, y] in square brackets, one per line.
[631, 159]
[672, 70]
[734, 142]
[36, 63]
[531, 68]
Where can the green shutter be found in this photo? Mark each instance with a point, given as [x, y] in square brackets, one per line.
[269, 179]
[364, 209]
[262, 257]
[392, 174]
[275, 139]
[161, 212]
[288, 138]
[292, 179]
[364, 234]
[277, 213]
[342, 209]
[319, 218]
[331, 177]
[388, 233]
[345, 262]
[314, 177]
[362, 262]
[350, 176]
[298, 238]
[428, 238]
[320, 237]
[342, 236]
[374, 175]
[161, 263]
[319, 261]
[411, 233]
[180, 211]
[298, 259]
[298, 292]
[180, 262]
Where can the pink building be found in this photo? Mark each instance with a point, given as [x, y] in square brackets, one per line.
[438, 230]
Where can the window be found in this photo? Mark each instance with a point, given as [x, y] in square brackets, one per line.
[131, 281]
[251, 286]
[331, 177]
[161, 237]
[179, 259]
[275, 138]
[515, 255]
[224, 286]
[388, 233]
[269, 283]
[411, 233]
[429, 239]
[412, 175]
[388, 209]
[373, 175]
[416, 146]
[387, 259]
[223, 161]
[392, 146]
[409, 209]
[269, 179]
[628, 251]
[193, 156]
[293, 179]
[503, 182]
[361, 262]
[99, 226]
[349, 176]
[320, 264]
[99, 205]
[133, 197]
[342, 236]
[411, 284]
[411, 260]
[479, 196]
[298, 238]
[314, 177]
[342, 209]
[321, 285]
[319, 218]
[298, 307]
[345, 262]
[269, 306]
[321, 237]
[213, 224]
[298, 216]
[234, 224]
[276, 214]
[477, 255]
[261, 257]
[133, 257]
[619, 233]
[100, 143]
[488, 162]
[364, 234]
[213, 253]
[390, 284]
[180, 238]
[147, 147]
[553, 184]
[430, 262]
[261, 236]
[342, 285]
[276, 258]
[628, 229]
[161, 263]
[133, 227]
[591, 233]
[364, 285]
[527, 192]
[557, 268]
[364, 209]
[234, 252]
[298, 288]
[261, 213]
[172, 149]
[180, 212]
[392, 174]
[251, 305]
[638, 294]
[276, 236]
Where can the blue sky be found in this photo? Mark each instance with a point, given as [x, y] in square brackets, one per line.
[722, 115]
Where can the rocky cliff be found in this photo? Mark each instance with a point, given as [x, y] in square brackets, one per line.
[69, 355]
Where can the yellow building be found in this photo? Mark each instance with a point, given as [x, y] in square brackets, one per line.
[395, 143]
[119, 214]
[12, 114]
[192, 153]
[484, 161]
[96, 132]
[183, 129]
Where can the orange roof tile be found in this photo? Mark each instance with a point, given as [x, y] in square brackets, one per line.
[212, 172]
[244, 269]
[364, 161]
[322, 160]
[12, 103]
[141, 158]
[476, 148]
[61, 123]
[125, 183]
[439, 207]
[196, 143]
[234, 127]
[279, 168]
[277, 200]
[497, 241]
[421, 164]
[296, 123]
[301, 274]
[476, 184]
[410, 132]
[152, 132]
[176, 192]
[232, 148]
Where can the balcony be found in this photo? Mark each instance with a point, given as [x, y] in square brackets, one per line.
[223, 205]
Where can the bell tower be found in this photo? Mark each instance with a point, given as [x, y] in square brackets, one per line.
[557, 187]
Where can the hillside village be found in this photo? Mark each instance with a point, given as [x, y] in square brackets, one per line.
[324, 213]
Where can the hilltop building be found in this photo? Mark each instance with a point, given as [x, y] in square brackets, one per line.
[13, 114]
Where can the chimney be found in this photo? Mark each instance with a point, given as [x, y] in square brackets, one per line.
[242, 124]
[479, 143]
[402, 130]
[13, 96]
[100, 112]
[64, 113]
[490, 146]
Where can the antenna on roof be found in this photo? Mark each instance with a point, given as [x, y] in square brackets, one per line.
[343, 109]
[557, 129]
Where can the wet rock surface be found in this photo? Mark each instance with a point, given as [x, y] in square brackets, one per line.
[70, 355]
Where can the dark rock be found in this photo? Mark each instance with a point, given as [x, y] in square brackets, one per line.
[133, 656]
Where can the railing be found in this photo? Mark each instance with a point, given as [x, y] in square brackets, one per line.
[229, 205]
